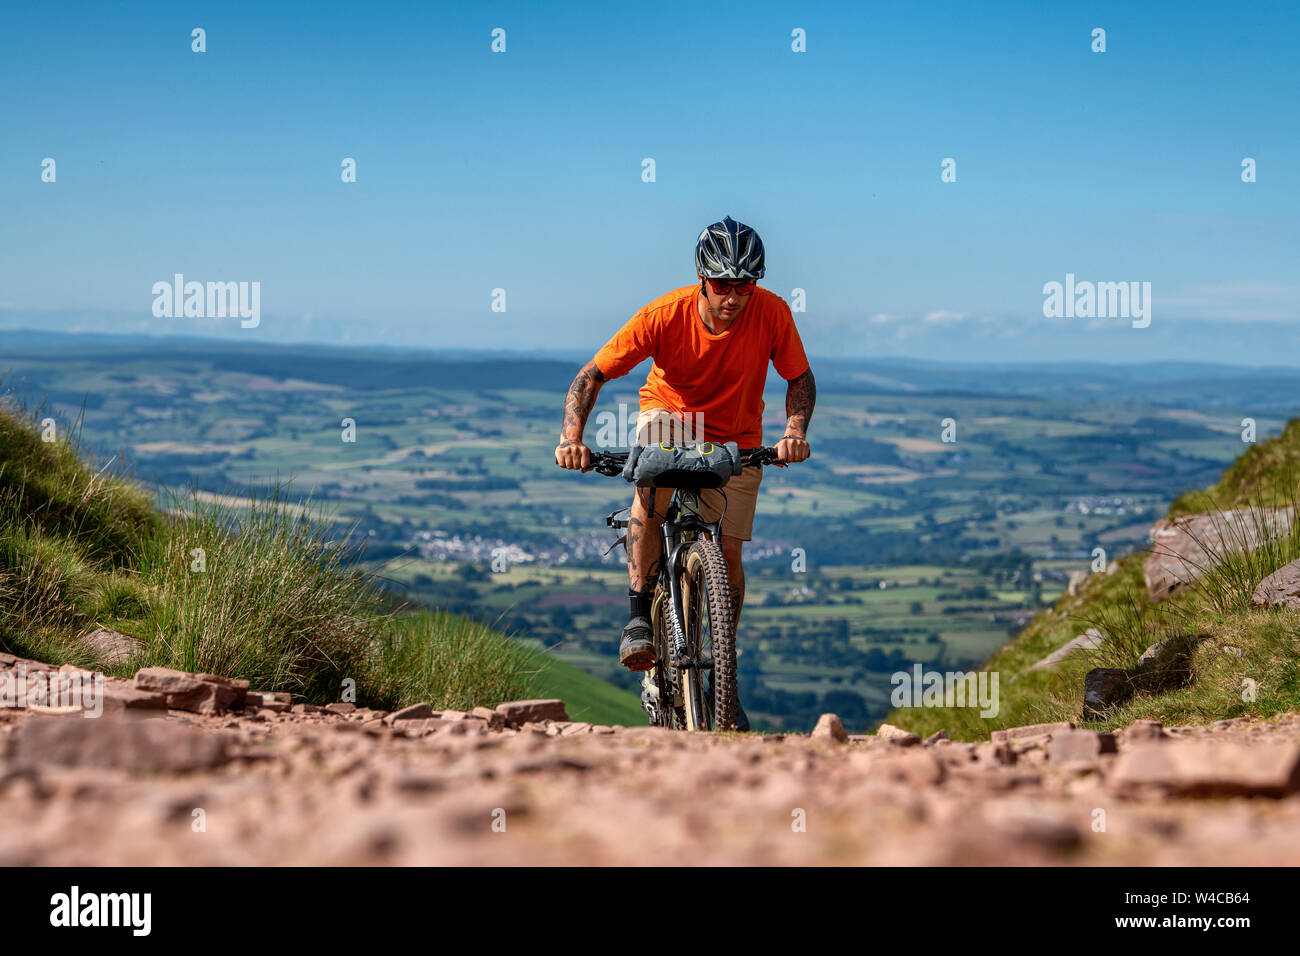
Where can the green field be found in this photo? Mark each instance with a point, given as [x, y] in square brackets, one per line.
[589, 698]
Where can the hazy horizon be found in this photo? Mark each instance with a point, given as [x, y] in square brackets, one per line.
[27, 340]
[1245, 345]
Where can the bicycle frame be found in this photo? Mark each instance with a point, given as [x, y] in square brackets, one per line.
[681, 527]
[675, 525]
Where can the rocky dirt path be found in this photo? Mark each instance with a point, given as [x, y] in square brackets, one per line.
[151, 782]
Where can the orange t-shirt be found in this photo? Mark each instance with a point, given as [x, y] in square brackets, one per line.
[718, 378]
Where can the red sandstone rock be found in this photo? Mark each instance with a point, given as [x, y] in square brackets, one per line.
[829, 728]
[516, 713]
[1211, 767]
[1029, 731]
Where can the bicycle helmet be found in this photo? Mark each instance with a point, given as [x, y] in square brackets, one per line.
[729, 250]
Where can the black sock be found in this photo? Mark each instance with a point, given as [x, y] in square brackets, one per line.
[641, 602]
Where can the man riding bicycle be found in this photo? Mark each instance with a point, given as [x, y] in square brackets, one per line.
[711, 345]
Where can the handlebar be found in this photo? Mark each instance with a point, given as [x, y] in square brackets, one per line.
[611, 462]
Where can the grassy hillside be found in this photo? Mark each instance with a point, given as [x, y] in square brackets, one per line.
[271, 592]
[587, 698]
[1236, 649]
[1267, 473]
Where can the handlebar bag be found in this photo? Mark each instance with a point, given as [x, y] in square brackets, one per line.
[690, 465]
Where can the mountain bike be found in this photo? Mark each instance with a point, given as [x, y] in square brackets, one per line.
[691, 612]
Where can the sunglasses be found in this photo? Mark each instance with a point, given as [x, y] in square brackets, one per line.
[742, 287]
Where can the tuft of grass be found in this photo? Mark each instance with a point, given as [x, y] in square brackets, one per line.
[46, 590]
[267, 592]
[272, 591]
[453, 663]
[1259, 542]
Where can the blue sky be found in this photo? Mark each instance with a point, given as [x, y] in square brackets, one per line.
[522, 170]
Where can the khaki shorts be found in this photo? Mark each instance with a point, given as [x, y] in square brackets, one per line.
[659, 424]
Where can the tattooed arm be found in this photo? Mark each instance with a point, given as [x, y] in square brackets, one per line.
[800, 397]
[571, 452]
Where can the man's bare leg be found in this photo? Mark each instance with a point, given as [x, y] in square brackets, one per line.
[645, 548]
[731, 548]
[645, 539]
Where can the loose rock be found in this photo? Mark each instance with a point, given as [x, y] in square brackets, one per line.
[199, 693]
[495, 720]
[1184, 548]
[1281, 588]
[897, 735]
[1103, 688]
[1089, 640]
[154, 745]
[1143, 731]
[1030, 731]
[113, 647]
[1081, 745]
[829, 728]
[1209, 767]
[420, 711]
[519, 712]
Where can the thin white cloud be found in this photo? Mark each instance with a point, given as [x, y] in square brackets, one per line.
[1251, 300]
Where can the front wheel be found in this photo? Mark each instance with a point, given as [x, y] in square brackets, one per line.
[670, 710]
[710, 639]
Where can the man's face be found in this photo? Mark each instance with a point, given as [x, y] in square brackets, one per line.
[728, 303]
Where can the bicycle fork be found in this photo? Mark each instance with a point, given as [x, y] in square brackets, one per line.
[672, 552]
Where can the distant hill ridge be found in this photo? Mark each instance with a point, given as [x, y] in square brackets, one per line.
[370, 366]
